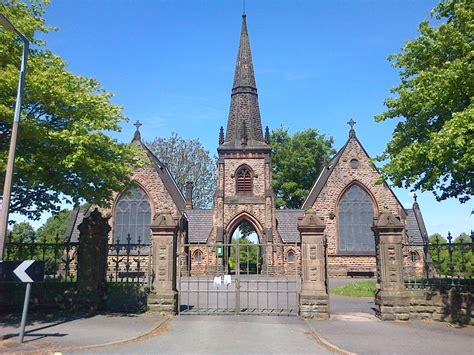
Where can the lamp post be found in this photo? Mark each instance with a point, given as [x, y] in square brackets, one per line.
[6, 24]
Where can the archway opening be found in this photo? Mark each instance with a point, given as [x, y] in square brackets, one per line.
[245, 254]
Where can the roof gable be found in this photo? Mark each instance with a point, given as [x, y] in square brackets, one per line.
[164, 173]
[327, 171]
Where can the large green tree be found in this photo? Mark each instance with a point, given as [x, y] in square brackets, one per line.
[54, 228]
[188, 161]
[63, 150]
[296, 161]
[432, 146]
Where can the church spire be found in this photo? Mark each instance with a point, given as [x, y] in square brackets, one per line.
[244, 109]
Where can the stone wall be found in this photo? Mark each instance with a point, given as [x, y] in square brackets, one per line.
[258, 166]
[339, 265]
[443, 304]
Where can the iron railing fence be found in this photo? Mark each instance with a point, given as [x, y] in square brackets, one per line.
[239, 278]
[441, 262]
[129, 263]
[60, 256]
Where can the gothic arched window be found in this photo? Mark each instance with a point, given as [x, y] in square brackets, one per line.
[356, 215]
[244, 179]
[132, 216]
[290, 256]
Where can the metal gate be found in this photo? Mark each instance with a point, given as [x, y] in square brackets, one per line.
[260, 279]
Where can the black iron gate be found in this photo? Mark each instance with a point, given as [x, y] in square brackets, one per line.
[261, 279]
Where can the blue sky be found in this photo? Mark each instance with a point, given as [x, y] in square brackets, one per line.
[317, 64]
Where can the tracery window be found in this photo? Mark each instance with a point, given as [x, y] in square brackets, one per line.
[132, 216]
[244, 179]
[355, 220]
[197, 256]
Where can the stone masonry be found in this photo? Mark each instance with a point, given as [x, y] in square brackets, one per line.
[342, 176]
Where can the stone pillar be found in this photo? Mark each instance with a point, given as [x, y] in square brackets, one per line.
[189, 194]
[92, 260]
[314, 299]
[164, 297]
[391, 299]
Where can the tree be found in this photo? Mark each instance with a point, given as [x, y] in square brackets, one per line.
[188, 161]
[22, 232]
[432, 147]
[54, 228]
[296, 161]
[62, 151]
[461, 260]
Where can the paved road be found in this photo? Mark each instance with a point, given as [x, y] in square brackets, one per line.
[227, 334]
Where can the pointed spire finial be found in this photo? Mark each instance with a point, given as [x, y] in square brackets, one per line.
[137, 134]
[243, 12]
[267, 135]
[351, 123]
[221, 136]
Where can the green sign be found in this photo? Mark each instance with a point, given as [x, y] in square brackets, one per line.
[219, 250]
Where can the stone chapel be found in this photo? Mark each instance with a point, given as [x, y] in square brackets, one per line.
[346, 194]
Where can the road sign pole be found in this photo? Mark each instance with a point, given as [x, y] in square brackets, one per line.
[25, 311]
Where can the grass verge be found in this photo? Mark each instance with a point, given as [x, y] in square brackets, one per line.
[364, 288]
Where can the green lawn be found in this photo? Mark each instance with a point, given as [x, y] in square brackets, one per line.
[364, 288]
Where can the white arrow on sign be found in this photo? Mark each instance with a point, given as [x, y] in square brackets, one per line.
[20, 271]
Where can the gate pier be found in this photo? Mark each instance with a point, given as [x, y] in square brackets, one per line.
[314, 299]
[164, 296]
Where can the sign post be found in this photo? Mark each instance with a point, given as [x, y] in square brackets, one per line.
[27, 271]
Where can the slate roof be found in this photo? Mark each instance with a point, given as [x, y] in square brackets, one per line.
[415, 226]
[199, 225]
[288, 225]
[244, 113]
[72, 233]
[322, 179]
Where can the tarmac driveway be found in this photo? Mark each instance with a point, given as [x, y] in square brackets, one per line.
[227, 334]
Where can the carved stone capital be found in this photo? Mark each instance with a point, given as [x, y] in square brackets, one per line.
[311, 222]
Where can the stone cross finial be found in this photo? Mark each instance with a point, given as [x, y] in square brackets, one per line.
[137, 134]
[415, 197]
[351, 123]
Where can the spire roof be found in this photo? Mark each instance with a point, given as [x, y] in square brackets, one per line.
[244, 76]
[244, 113]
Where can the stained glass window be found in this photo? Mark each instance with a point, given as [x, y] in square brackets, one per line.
[132, 216]
[355, 221]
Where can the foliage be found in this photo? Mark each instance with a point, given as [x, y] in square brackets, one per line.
[54, 228]
[188, 161]
[462, 258]
[250, 258]
[63, 150]
[296, 161]
[432, 147]
[364, 288]
[22, 232]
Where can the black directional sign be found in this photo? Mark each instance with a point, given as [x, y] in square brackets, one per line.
[21, 271]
